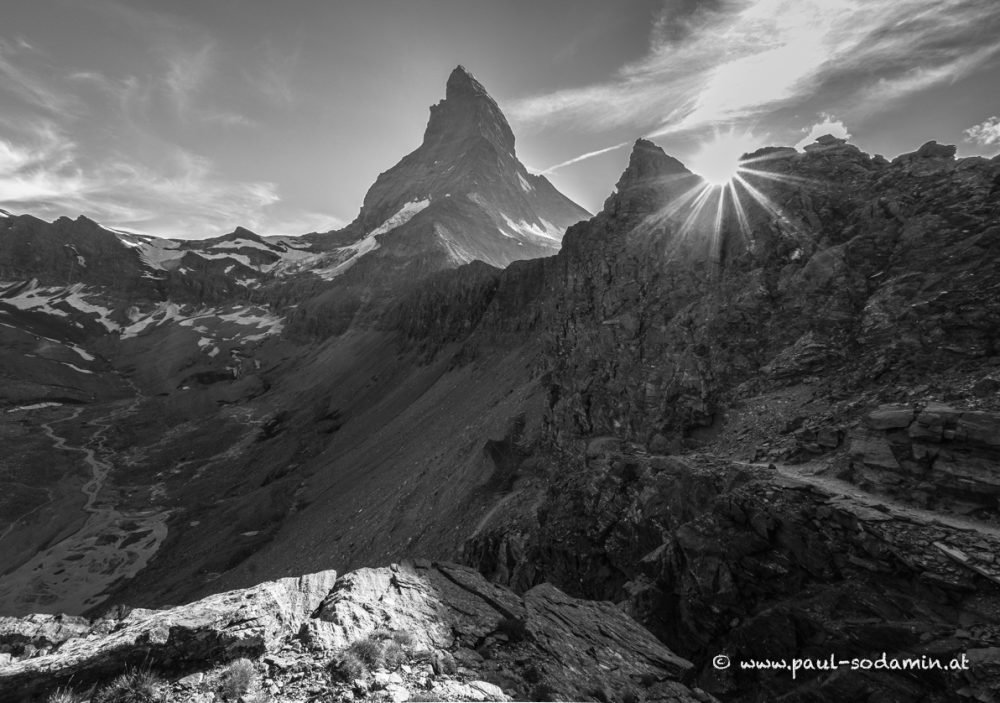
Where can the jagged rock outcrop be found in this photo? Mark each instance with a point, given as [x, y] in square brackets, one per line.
[934, 455]
[846, 268]
[38, 633]
[218, 628]
[470, 639]
[648, 182]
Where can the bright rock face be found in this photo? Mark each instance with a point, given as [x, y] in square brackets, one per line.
[460, 629]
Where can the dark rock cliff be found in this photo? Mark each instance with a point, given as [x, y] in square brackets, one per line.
[841, 283]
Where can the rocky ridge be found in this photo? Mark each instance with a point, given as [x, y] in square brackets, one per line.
[454, 636]
[860, 282]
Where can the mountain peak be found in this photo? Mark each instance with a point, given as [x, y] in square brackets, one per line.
[461, 82]
[647, 163]
[242, 233]
[462, 195]
[651, 175]
[467, 111]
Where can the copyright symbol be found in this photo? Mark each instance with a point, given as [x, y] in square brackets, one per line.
[720, 661]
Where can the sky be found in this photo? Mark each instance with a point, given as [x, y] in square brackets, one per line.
[188, 118]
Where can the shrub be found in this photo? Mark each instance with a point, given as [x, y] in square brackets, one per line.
[443, 663]
[515, 629]
[648, 679]
[421, 656]
[64, 695]
[236, 679]
[348, 667]
[543, 692]
[368, 650]
[402, 638]
[134, 686]
[393, 655]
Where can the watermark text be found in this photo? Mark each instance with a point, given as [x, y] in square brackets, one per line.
[882, 662]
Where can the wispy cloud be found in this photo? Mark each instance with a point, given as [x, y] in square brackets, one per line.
[187, 70]
[275, 77]
[28, 84]
[39, 166]
[45, 172]
[986, 132]
[743, 58]
[44, 175]
[124, 164]
[185, 74]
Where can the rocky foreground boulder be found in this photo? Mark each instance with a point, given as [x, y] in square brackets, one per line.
[427, 631]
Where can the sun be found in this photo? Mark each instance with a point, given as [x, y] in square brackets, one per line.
[729, 185]
[718, 160]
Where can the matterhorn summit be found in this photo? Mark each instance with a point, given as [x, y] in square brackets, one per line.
[463, 195]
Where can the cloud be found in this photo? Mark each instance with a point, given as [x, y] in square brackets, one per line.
[275, 77]
[187, 69]
[300, 223]
[736, 60]
[39, 166]
[986, 132]
[828, 125]
[583, 157]
[182, 70]
[123, 165]
[44, 173]
[26, 84]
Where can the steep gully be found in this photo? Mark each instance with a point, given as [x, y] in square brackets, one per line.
[108, 544]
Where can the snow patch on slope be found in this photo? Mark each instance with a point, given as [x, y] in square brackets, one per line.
[349, 255]
[233, 323]
[240, 258]
[455, 253]
[243, 244]
[401, 217]
[53, 300]
[163, 312]
[165, 254]
[161, 254]
[546, 230]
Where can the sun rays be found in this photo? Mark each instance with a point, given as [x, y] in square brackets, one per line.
[731, 192]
